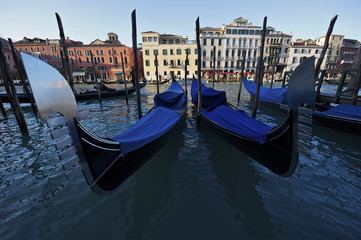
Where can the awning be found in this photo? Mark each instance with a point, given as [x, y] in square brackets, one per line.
[78, 74]
[118, 73]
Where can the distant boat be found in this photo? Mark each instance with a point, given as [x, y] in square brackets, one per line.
[343, 117]
[80, 96]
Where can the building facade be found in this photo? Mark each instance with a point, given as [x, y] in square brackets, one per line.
[302, 49]
[231, 42]
[276, 52]
[9, 58]
[348, 54]
[106, 55]
[334, 48]
[171, 55]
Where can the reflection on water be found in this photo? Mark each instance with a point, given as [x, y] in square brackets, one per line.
[196, 187]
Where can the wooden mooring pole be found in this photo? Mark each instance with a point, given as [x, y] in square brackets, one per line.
[156, 72]
[95, 78]
[21, 72]
[3, 111]
[135, 54]
[125, 79]
[214, 66]
[242, 75]
[260, 68]
[325, 46]
[358, 80]
[11, 91]
[199, 67]
[185, 73]
[65, 52]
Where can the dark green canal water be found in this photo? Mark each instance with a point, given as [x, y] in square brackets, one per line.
[196, 187]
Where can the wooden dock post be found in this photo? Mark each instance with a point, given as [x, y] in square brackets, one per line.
[3, 111]
[325, 45]
[95, 78]
[135, 54]
[358, 81]
[11, 91]
[65, 53]
[199, 67]
[214, 65]
[125, 79]
[156, 72]
[185, 73]
[242, 75]
[260, 67]
[21, 70]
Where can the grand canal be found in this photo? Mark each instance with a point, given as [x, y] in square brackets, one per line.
[196, 187]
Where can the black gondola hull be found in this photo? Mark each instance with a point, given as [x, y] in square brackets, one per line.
[100, 157]
[276, 153]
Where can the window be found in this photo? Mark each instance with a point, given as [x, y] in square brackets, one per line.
[102, 59]
[251, 32]
[196, 62]
[244, 42]
[165, 62]
[212, 42]
[219, 42]
[79, 60]
[78, 52]
[31, 49]
[204, 64]
[250, 42]
[148, 73]
[155, 39]
[97, 52]
[316, 51]
[178, 62]
[227, 42]
[227, 53]
[219, 53]
[147, 63]
[146, 52]
[110, 59]
[204, 42]
[164, 51]
[228, 31]
[309, 51]
[98, 60]
[204, 53]
[86, 53]
[256, 42]
[115, 52]
[195, 51]
[37, 49]
[179, 51]
[109, 51]
[232, 52]
[70, 52]
[43, 49]
[155, 52]
[294, 59]
[150, 39]
[125, 60]
[286, 50]
[125, 52]
[226, 64]
[165, 73]
[87, 60]
[234, 42]
[171, 51]
[234, 31]
[295, 51]
[172, 63]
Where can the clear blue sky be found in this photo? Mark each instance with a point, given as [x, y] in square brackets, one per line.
[87, 20]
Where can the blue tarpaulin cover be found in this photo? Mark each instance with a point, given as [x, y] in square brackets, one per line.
[278, 95]
[210, 97]
[172, 98]
[147, 129]
[239, 122]
[344, 110]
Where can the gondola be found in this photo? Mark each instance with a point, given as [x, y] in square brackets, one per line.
[153, 82]
[343, 117]
[105, 162]
[23, 98]
[275, 148]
